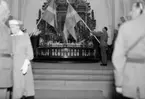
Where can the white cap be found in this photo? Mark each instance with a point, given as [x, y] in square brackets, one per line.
[15, 22]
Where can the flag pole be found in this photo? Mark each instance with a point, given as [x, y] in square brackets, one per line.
[90, 30]
[36, 26]
[86, 25]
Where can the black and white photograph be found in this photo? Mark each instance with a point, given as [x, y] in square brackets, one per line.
[72, 49]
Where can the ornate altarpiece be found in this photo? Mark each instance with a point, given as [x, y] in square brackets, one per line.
[51, 40]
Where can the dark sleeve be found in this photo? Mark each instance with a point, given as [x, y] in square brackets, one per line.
[98, 34]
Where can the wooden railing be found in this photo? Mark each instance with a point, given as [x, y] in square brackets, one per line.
[65, 52]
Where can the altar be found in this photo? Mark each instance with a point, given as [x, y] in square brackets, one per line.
[50, 42]
[66, 51]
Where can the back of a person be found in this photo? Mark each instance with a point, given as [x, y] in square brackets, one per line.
[5, 58]
[103, 39]
[114, 38]
[134, 71]
[134, 29]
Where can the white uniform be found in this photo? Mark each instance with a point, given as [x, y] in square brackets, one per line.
[130, 69]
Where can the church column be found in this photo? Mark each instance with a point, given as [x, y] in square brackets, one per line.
[113, 14]
[118, 11]
[22, 8]
[113, 19]
[20, 5]
[15, 8]
[10, 4]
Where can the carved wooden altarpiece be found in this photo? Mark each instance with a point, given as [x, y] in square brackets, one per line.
[51, 40]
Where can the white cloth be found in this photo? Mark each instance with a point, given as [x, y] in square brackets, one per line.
[25, 66]
[119, 90]
[15, 22]
[18, 33]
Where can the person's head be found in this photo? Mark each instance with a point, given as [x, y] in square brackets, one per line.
[105, 29]
[122, 19]
[15, 26]
[119, 25]
[4, 11]
[137, 9]
[115, 31]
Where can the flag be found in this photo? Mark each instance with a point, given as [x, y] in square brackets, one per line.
[71, 20]
[49, 14]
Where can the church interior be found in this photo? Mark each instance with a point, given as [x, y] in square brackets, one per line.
[66, 64]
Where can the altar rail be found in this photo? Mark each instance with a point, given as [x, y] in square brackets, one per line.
[66, 52]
